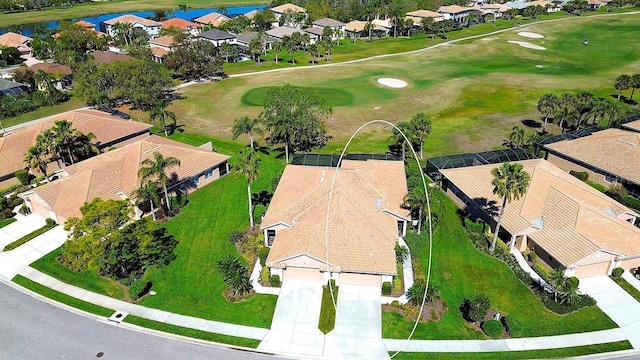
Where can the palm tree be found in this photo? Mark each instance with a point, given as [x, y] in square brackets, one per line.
[402, 253]
[622, 83]
[416, 200]
[247, 165]
[427, 25]
[36, 158]
[398, 137]
[368, 27]
[517, 136]
[184, 8]
[246, 125]
[634, 83]
[159, 112]
[124, 31]
[557, 281]
[276, 47]
[421, 127]
[234, 274]
[313, 52]
[155, 169]
[63, 136]
[547, 106]
[510, 182]
[148, 191]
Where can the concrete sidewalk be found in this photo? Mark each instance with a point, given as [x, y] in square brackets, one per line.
[17, 259]
[144, 312]
[22, 226]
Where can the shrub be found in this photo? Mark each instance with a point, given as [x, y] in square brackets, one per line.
[24, 210]
[402, 252]
[15, 200]
[386, 288]
[139, 288]
[501, 248]
[582, 175]
[541, 270]
[264, 275]
[274, 280]
[50, 222]
[10, 189]
[478, 307]
[7, 213]
[236, 236]
[617, 272]
[416, 292]
[23, 176]
[572, 283]
[617, 191]
[493, 328]
[263, 252]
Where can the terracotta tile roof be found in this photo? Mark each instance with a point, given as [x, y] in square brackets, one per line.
[578, 219]
[132, 19]
[105, 127]
[86, 24]
[424, 14]
[615, 151]
[314, 31]
[281, 31]
[633, 126]
[10, 39]
[453, 9]
[214, 19]
[103, 57]
[362, 234]
[52, 68]
[165, 41]
[500, 7]
[358, 26]
[291, 7]
[179, 24]
[158, 51]
[542, 3]
[251, 14]
[106, 175]
[324, 22]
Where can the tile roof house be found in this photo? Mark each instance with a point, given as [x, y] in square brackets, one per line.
[184, 25]
[418, 15]
[356, 28]
[217, 37]
[214, 19]
[283, 14]
[150, 26]
[282, 31]
[18, 41]
[365, 220]
[569, 224]
[108, 130]
[243, 40]
[161, 46]
[456, 13]
[114, 175]
[62, 74]
[251, 14]
[608, 156]
[632, 126]
[337, 26]
[104, 57]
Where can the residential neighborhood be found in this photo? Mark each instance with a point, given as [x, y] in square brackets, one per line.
[305, 180]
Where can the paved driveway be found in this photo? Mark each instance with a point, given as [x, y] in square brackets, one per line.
[15, 260]
[358, 331]
[621, 307]
[294, 328]
[25, 225]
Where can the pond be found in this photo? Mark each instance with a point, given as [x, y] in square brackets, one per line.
[28, 30]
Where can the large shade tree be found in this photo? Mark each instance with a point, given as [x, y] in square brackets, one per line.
[510, 182]
[295, 117]
[248, 165]
[155, 169]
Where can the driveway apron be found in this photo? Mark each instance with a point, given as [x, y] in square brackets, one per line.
[294, 328]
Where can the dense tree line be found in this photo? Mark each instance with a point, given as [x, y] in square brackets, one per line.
[23, 5]
[71, 46]
[23, 103]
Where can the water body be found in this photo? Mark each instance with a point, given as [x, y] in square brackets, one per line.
[27, 30]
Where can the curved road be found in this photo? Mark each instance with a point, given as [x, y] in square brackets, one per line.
[31, 328]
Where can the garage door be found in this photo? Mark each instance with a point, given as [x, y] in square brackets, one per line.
[585, 271]
[360, 279]
[306, 274]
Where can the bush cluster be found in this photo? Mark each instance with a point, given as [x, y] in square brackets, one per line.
[493, 328]
[582, 175]
[617, 272]
[23, 176]
[475, 310]
[263, 252]
[11, 106]
[274, 280]
[386, 288]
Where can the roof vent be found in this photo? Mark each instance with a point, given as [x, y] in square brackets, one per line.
[378, 202]
[152, 149]
[609, 211]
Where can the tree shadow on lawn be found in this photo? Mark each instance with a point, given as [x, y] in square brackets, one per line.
[531, 123]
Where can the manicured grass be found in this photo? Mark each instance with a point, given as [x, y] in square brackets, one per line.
[192, 333]
[531, 354]
[60, 297]
[327, 320]
[106, 7]
[460, 271]
[332, 97]
[627, 287]
[73, 103]
[6, 222]
[88, 279]
[29, 236]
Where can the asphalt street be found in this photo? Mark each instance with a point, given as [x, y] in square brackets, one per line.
[34, 329]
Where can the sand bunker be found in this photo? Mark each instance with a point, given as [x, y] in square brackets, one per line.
[528, 45]
[531, 35]
[392, 83]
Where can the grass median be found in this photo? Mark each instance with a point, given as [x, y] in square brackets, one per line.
[32, 235]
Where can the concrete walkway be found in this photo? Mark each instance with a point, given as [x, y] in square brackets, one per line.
[294, 328]
[144, 312]
[23, 226]
[17, 259]
[614, 301]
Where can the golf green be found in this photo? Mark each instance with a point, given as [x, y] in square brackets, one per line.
[332, 97]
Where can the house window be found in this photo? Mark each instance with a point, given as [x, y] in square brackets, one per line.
[223, 169]
[609, 179]
[208, 174]
[195, 180]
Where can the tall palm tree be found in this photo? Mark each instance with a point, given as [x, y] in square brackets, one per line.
[184, 8]
[154, 169]
[557, 280]
[547, 106]
[36, 158]
[246, 125]
[510, 182]
[276, 47]
[516, 137]
[421, 128]
[247, 165]
[397, 137]
[148, 191]
[63, 137]
[124, 32]
[427, 25]
[159, 112]
[622, 83]
[416, 200]
[368, 27]
[634, 83]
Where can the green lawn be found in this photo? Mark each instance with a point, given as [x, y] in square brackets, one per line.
[30, 236]
[327, 320]
[627, 287]
[460, 271]
[532, 354]
[332, 97]
[5, 222]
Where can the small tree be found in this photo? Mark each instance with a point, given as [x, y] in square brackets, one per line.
[246, 125]
[234, 274]
[416, 292]
[247, 165]
[402, 253]
[478, 307]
